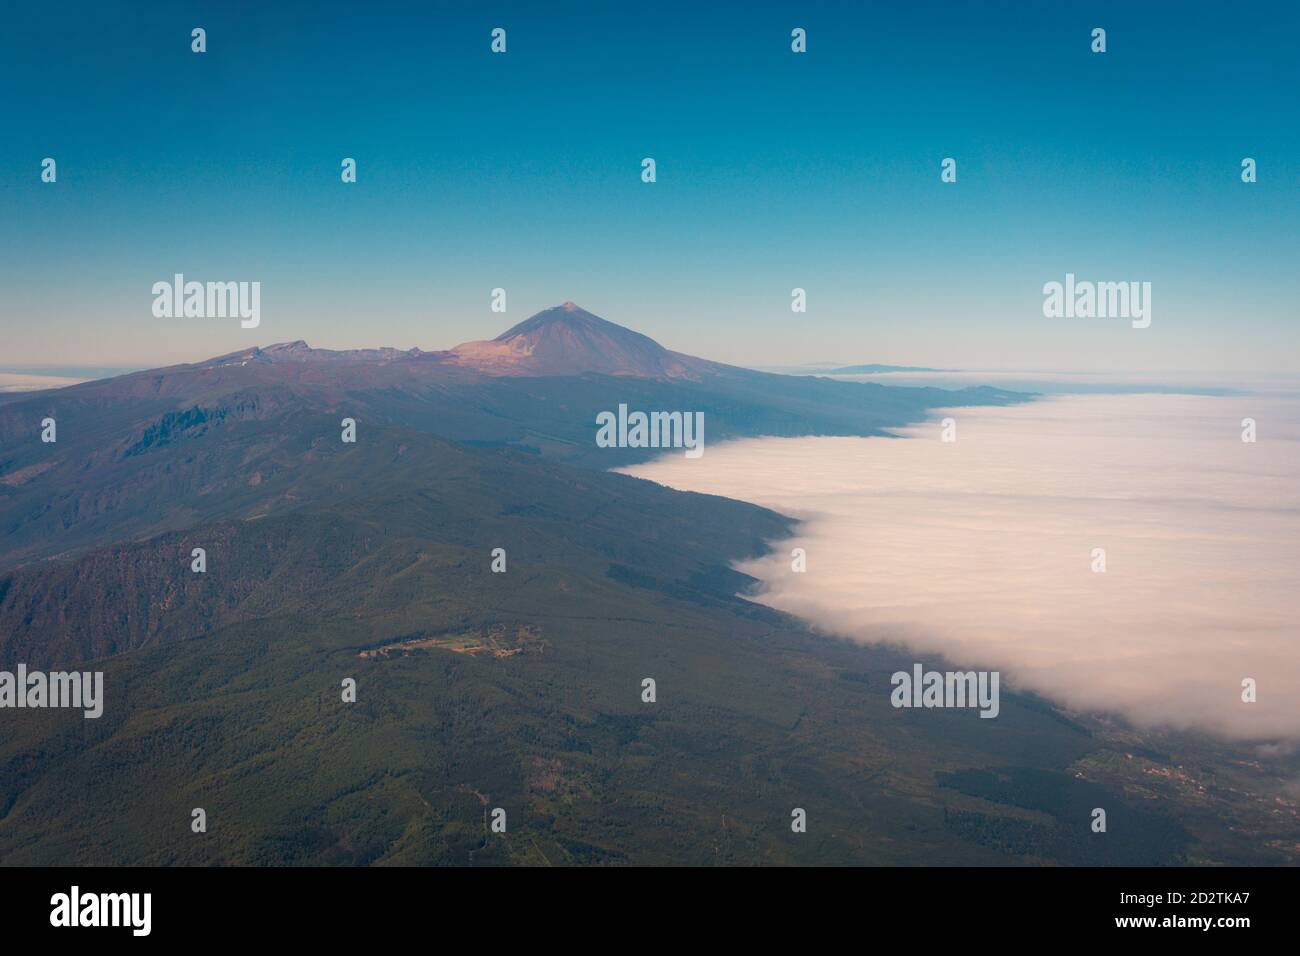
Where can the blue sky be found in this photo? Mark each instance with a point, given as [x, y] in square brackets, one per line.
[775, 170]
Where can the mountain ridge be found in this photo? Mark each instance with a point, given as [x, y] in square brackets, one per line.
[164, 449]
[561, 341]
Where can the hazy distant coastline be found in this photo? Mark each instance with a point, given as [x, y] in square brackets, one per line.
[15, 382]
[35, 378]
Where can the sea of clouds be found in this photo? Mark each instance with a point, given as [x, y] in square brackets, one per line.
[21, 382]
[981, 549]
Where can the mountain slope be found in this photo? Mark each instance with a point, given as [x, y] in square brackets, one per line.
[405, 500]
[568, 340]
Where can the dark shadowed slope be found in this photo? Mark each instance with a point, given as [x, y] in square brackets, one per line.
[397, 487]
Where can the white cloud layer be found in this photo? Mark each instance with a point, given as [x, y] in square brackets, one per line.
[982, 549]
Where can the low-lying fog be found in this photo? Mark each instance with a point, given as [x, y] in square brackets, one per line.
[982, 548]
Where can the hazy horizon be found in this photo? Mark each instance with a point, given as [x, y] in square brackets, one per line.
[952, 375]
